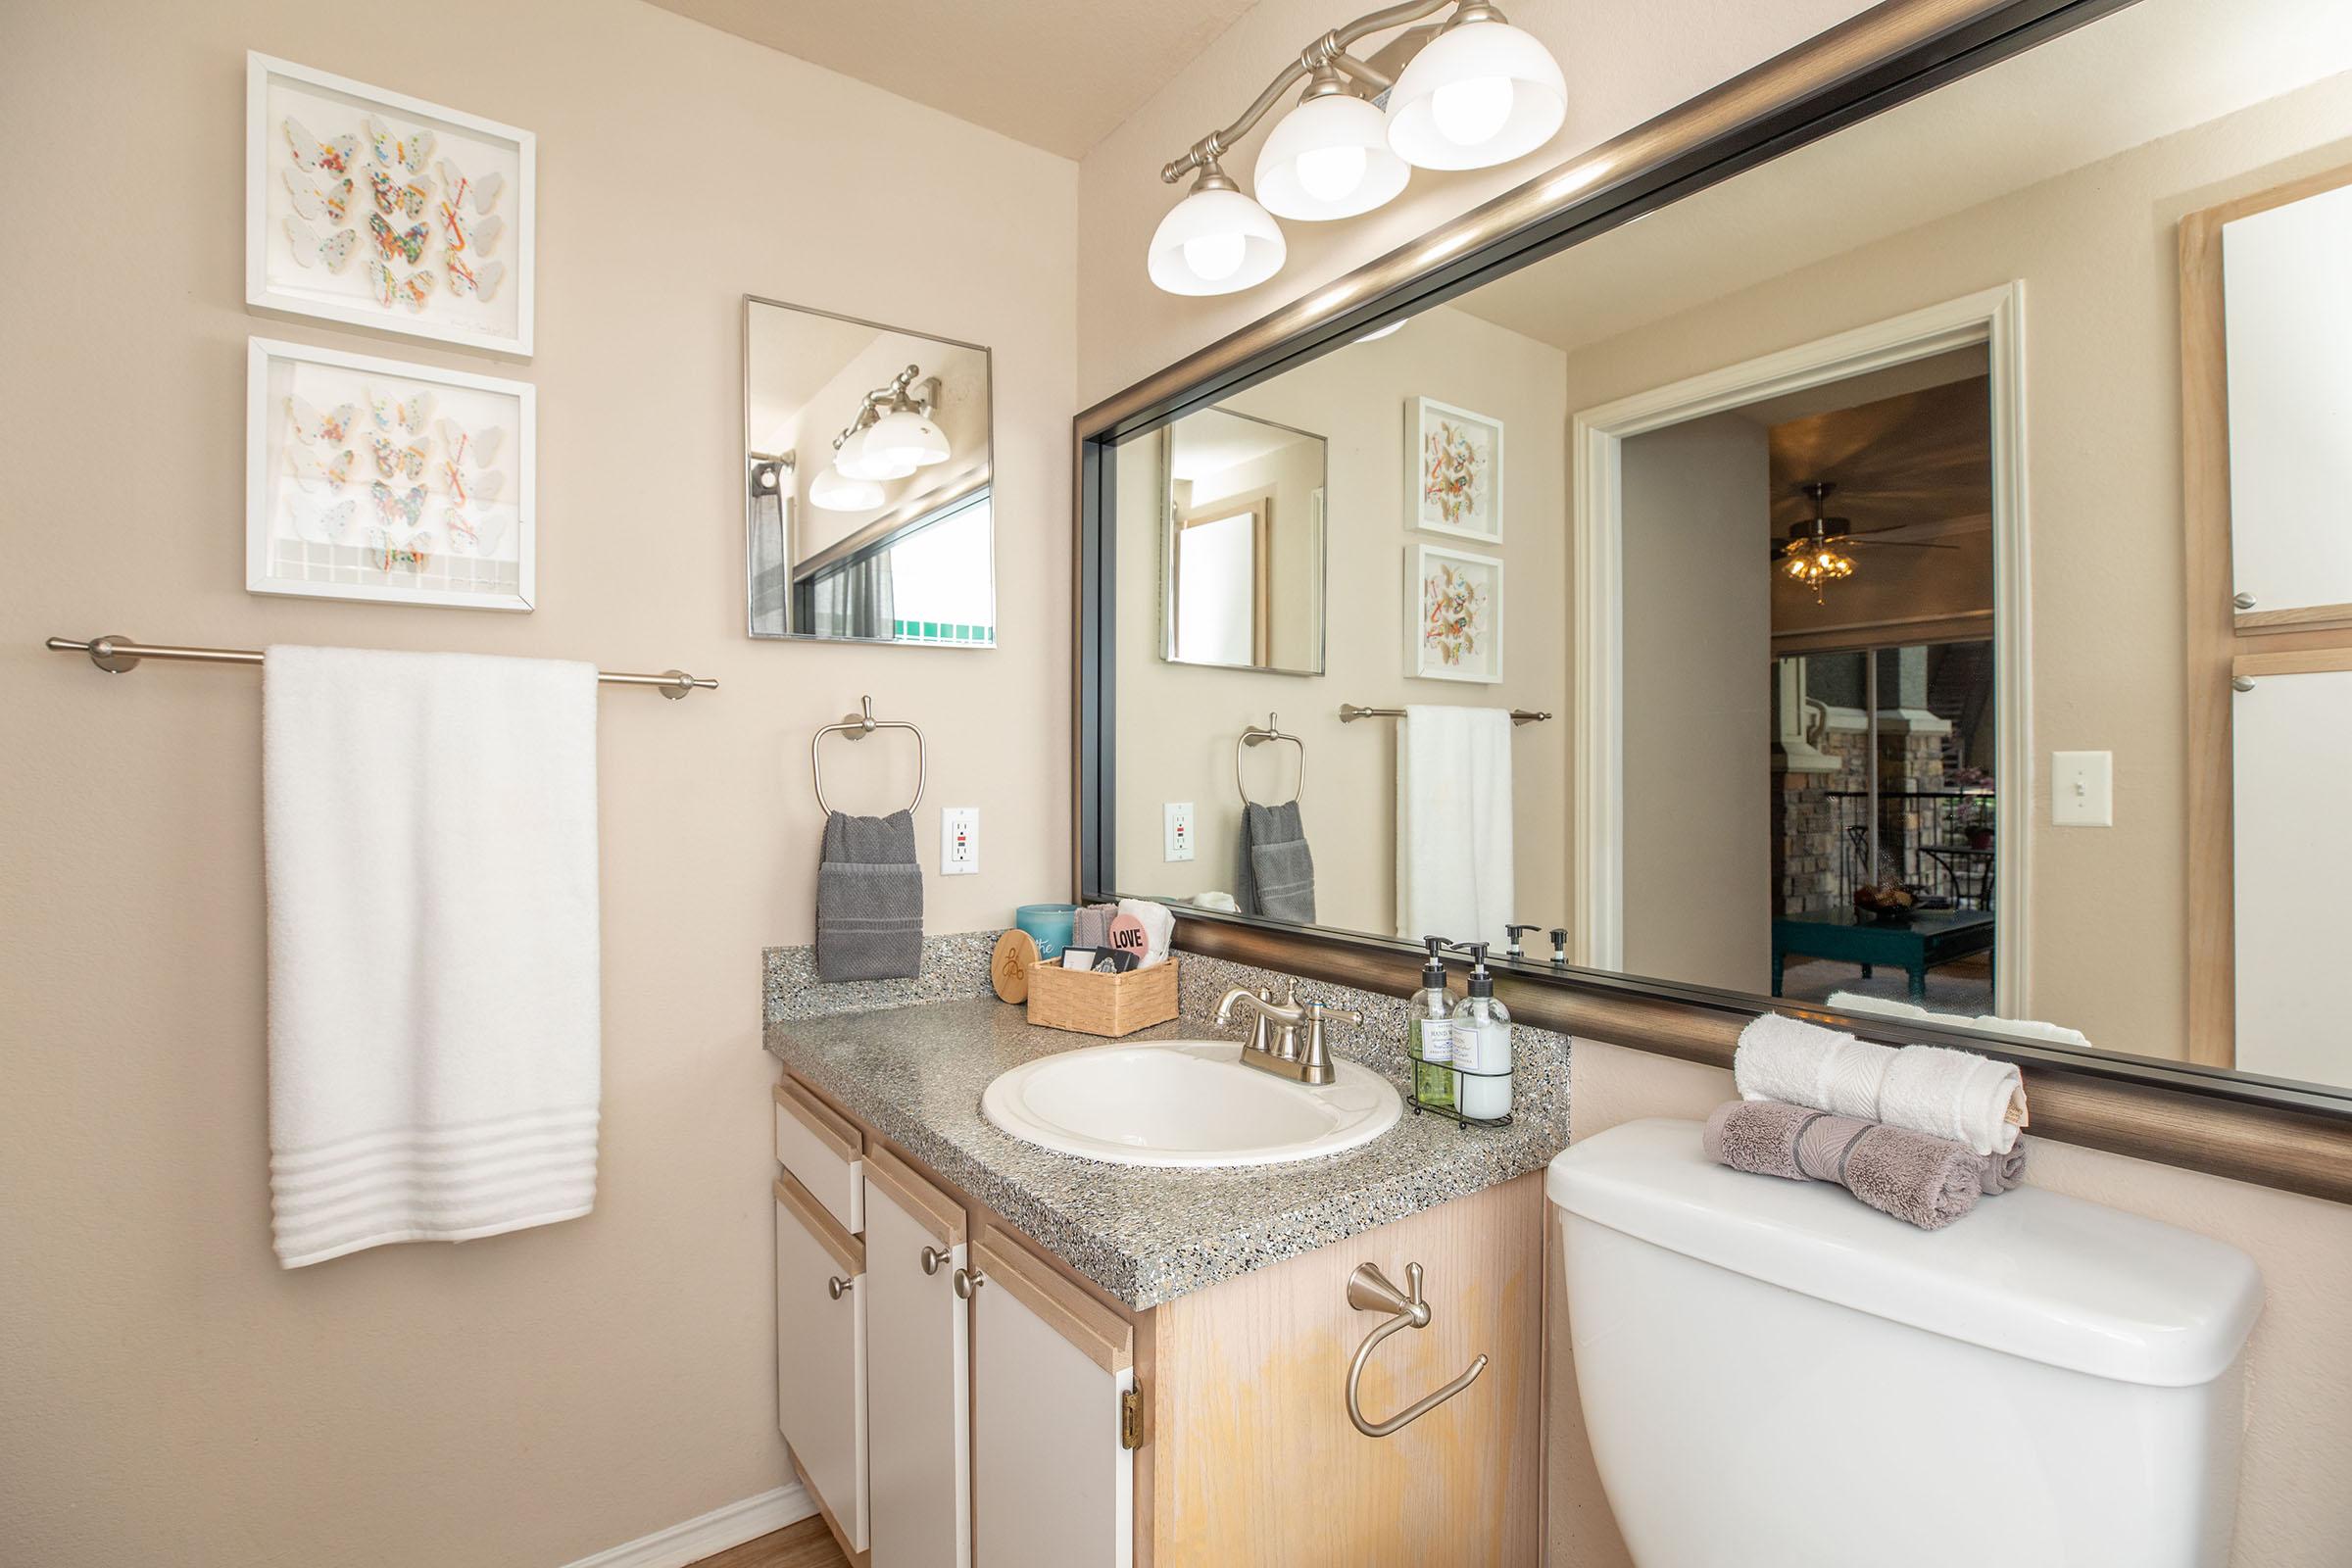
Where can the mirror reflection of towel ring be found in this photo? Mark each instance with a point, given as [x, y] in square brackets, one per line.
[1253, 735]
[858, 726]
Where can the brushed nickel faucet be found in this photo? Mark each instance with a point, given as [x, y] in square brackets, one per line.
[1275, 1045]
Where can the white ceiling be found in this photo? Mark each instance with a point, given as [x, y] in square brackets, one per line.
[1060, 75]
[1212, 440]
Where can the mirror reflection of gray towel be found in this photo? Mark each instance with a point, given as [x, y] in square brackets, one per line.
[870, 900]
[1276, 877]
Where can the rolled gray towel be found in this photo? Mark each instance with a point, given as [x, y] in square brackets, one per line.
[1929, 1182]
[1276, 876]
[1089, 927]
[870, 900]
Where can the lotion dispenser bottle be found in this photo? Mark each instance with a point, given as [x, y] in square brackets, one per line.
[1429, 1031]
[1482, 1044]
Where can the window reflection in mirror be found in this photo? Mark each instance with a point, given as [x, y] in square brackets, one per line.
[1846, 533]
[867, 474]
[1242, 538]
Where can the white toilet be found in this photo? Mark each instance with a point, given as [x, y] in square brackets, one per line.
[1773, 1373]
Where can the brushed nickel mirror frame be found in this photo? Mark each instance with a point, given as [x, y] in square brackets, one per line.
[2278, 1133]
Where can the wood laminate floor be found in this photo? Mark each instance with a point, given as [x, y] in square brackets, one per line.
[807, 1545]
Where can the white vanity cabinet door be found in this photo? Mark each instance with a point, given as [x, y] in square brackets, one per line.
[1054, 1487]
[820, 1357]
[918, 1372]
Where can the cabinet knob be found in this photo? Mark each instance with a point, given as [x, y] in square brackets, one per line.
[933, 1258]
[966, 1280]
[838, 1287]
[2242, 600]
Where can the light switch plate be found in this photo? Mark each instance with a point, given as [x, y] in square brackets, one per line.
[1177, 824]
[2083, 789]
[958, 840]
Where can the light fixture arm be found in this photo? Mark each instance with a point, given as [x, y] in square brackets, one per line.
[1322, 61]
[901, 394]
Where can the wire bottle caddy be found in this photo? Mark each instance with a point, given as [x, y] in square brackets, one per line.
[1467, 1078]
[1442, 1083]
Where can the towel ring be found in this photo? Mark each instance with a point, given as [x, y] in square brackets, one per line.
[858, 726]
[1255, 736]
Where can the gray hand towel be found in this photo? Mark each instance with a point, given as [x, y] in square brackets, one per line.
[1928, 1181]
[1276, 876]
[870, 900]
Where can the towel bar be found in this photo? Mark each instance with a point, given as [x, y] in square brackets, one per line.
[1350, 712]
[114, 653]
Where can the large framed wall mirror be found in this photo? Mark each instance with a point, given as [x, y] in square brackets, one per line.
[1926, 554]
[868, 468]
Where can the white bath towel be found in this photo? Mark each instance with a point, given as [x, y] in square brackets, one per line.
[1928, 1089]
[429, 821]
[1453, 824]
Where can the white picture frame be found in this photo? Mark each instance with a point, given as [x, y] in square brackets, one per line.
[1465, 590]
[298, 261]
[330, 515]
[1468, 446]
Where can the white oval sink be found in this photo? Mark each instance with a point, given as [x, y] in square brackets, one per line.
[1185, 1102]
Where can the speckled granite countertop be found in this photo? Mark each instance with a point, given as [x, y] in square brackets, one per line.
[1147, 1235]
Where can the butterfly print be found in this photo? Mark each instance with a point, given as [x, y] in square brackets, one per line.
[410, 152]
[313, 426]
[310, 197]
[410, 416]
[313, 473]
[415, 290]
[395, 462]
[332, 253]
[391, 196]
[313, 156]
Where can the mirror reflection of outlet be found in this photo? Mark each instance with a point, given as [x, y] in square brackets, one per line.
[1177, 820]
[959, 841]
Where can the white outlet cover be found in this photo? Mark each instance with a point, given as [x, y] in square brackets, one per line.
[1176, 817]
[958, 840]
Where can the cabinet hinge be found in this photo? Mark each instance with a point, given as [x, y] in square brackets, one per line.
[1131, 1418]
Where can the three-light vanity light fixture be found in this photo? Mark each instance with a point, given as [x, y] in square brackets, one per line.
[1478, 92]
[892, 436]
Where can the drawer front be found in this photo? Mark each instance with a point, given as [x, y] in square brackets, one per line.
[918, 1381]
[820, 1358]
[825, 1152]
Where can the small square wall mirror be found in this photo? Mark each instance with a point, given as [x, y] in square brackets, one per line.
[1240, 529]
[866, 472]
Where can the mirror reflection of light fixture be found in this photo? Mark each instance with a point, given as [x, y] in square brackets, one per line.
[904, 437]
[858, 461]
[1216, 241]
[892, 434]
[1330, 157]
[1478, 92]
[835, 491]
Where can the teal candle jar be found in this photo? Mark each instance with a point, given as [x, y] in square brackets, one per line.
[1049, 924]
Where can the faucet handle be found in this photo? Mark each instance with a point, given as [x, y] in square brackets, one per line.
[1322, 1012]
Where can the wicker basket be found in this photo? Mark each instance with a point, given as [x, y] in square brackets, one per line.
[1111, 1005]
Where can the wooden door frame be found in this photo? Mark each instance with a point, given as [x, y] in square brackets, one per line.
[1994, 317]
[2216, 634]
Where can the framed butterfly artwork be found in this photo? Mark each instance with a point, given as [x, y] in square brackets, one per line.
[372, 208]
[1452, 470]
[378, 479]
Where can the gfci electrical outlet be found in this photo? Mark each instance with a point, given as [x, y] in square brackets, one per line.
[958, 840]
[1179, 822]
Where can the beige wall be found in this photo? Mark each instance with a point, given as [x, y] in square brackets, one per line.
[1178, 722]
[2096, 251]
[1697, 835]
[2293, 1508]
[166, 1393]
[1624, 65]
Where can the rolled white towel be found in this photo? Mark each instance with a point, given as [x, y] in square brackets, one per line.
[1159, 926]
[1928, 1089]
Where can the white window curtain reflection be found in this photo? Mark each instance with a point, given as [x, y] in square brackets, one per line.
[853, 599]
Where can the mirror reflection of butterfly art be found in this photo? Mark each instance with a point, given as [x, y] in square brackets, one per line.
[434, 205]
[375, 479]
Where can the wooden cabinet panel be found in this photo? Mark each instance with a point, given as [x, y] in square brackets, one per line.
[918, 1375]
[821, 1357]
[1054, 1486]
[1254, 1457]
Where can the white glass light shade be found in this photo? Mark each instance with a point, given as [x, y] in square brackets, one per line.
[835, 492]
[904, 438]
[1479, 94]
[857, 458]
[1215, 242]
[1329, 158]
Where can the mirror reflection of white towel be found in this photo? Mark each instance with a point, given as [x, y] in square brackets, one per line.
[1455, 853]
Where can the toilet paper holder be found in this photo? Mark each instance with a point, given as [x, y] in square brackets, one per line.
[1371, 1291]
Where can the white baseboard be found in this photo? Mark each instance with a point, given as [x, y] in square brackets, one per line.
[711, 1533]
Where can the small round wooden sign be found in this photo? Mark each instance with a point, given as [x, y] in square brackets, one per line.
[1009, 965]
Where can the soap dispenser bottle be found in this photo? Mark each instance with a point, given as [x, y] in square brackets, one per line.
[1429, 1032]
[1482, 1045]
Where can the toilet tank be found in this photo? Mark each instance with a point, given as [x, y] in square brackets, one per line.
[1772, 1372]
